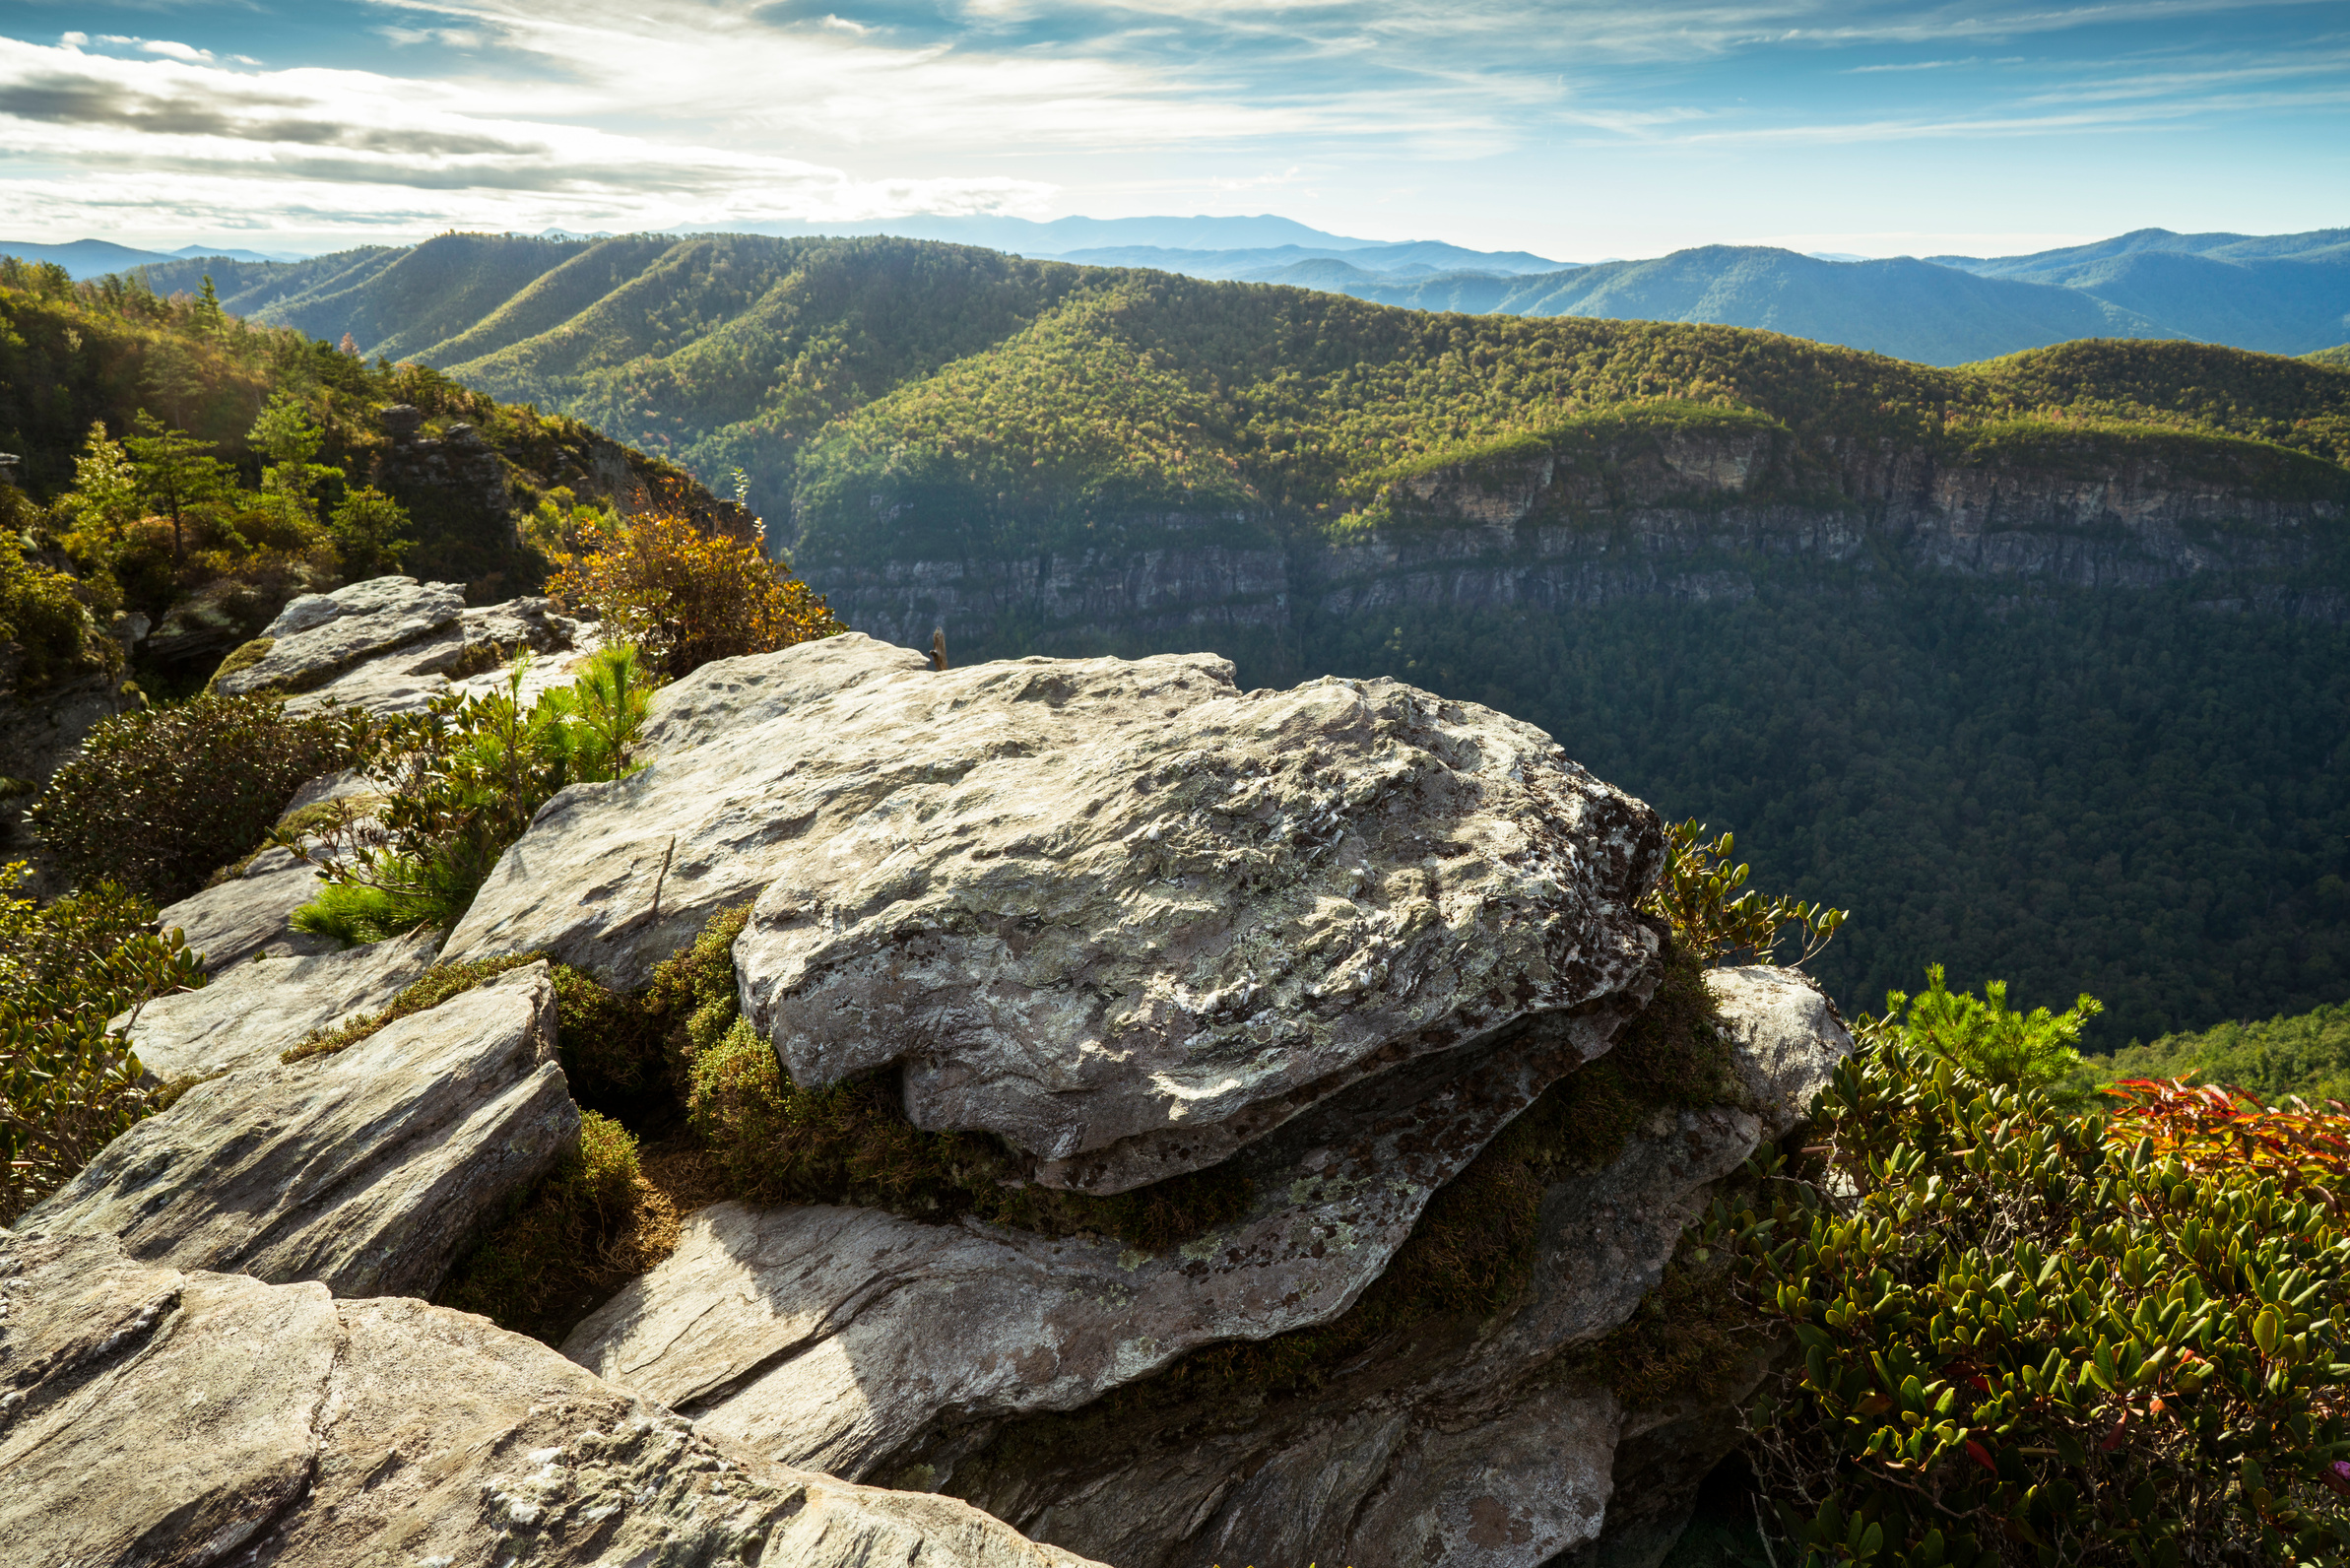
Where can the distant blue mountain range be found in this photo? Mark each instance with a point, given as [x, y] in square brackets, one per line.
[2281, 294]
[94, 258]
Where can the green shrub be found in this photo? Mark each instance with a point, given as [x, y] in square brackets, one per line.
[1990, 1040]
[2027, 1340]
[461, 781]
[591, 1225]
[688, 597]
[40, 614]
[160, 797]
[1700, 896]
[610, 1045]
[68, 1086]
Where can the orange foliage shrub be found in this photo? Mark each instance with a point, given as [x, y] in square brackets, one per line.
[685, 597]
[2209, 1128]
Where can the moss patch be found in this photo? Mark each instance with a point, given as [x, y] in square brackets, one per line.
[241, 657]
[1691, 1335]
[427, 992]
[591, 1225]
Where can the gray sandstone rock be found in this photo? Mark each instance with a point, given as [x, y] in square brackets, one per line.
[1464, 1446]
[836, 1338]
[150, 1415]
[475, 653]
[253, 1010]
[248, 913]
[1115, 911]
[370, 617]
[363, 1170]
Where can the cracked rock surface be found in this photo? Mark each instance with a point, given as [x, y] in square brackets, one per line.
[251, 1012]
[1469, 1446]
[249, 913]
[154, 1415]
[1117, 912]
[835, 1338]
[363, 1170]
[318, 636]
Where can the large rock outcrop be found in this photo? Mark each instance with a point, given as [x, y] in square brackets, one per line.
[836, 1338]
[1119, 913]
[154, 1416]
[1326, 944]
[1489, 1445]
[365, 1170]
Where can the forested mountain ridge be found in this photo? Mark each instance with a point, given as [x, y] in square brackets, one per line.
[178, 475]
[2038, 663]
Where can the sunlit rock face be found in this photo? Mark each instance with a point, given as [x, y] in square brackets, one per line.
[151, 1414]
[1118, 912]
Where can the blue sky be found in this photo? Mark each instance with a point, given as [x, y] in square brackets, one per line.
[1577, 131]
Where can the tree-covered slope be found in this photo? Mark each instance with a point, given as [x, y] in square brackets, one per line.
[2306, 1054]
[85, 359]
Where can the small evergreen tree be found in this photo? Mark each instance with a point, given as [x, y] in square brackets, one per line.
[1993, 1042]
[371, 529]
[175, 475]
[289, 438]
[104, 504]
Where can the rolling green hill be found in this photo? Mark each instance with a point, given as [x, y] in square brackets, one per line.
[2039, 663]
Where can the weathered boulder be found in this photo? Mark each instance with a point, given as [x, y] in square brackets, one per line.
[365, 1170]
[149, 1414]
[1117, 912]
[311, 646]
[836, 1338]
[251, 1012]
[249, 913]
[475, 653]
[1484, 1445]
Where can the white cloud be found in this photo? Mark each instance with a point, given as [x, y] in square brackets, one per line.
[175, 51]
[197, 144]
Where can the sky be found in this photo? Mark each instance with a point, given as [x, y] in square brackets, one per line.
[1579, 131]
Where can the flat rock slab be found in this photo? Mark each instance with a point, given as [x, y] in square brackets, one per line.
[150, 1416]
[248, 913]
[251, 1012]
[311, 646]
[365, 1170]
[834, 1337]
[1117, 912]
[475, 655]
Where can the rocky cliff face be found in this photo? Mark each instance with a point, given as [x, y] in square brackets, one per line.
[1685, 514]
[1334, 950]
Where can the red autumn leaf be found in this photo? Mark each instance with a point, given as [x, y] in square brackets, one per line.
[1980, 1456]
